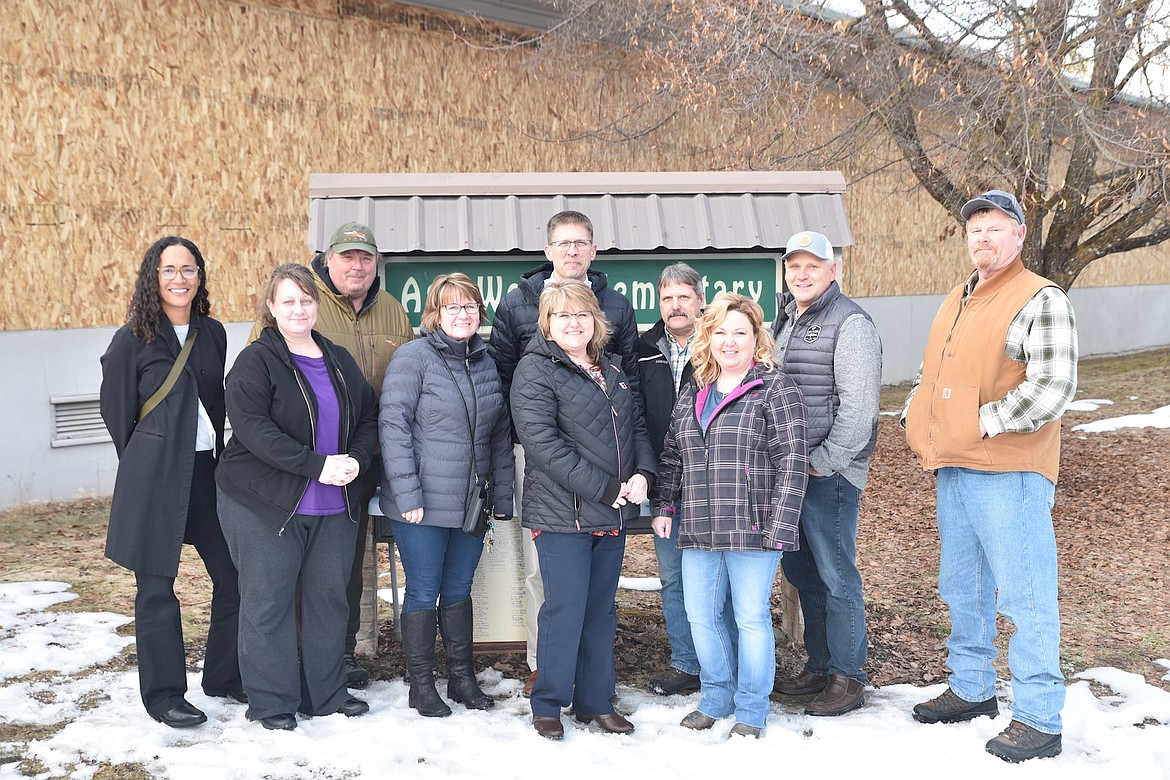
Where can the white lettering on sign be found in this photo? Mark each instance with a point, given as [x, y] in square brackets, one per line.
[753, 288]
[643, 296]
[492, 288]
[411, 297]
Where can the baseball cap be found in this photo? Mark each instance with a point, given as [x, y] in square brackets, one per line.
[353, 235]
[813, 243]
[994, 199]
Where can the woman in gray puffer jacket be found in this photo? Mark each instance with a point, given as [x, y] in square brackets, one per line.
[443, 427]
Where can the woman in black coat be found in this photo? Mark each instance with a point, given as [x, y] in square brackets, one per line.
[444, 426]
[164, 493]
[588, 467]
[304, 426]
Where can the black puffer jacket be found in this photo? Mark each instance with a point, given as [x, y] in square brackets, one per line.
[657, 381]
[423, 427]
[580, 442]
[515, 323]
[270, 459]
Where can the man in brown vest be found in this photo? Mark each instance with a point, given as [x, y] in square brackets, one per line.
[1000, 367]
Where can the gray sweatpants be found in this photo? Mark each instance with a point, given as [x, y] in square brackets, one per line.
[316, 551]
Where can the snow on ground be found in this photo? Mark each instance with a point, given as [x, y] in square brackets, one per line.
[1121, 732]
[1115, 725]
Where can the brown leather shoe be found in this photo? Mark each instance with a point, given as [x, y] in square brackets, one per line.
[531, 681]
[610, 724]
[549, 728]
[842, 694]
[803, 684]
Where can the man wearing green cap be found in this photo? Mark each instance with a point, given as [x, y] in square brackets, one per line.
[357, 314]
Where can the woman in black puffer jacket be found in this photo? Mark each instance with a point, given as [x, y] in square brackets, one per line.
[588, 467]
[441, 394]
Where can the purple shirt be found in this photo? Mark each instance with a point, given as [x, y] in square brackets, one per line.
[321, 499]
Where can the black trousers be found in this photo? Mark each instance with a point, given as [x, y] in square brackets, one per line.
[353, 589]
[158, 625]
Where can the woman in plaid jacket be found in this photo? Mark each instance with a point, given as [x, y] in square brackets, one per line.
[733, 473]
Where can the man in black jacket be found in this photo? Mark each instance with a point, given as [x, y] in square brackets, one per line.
[570, 250]
[664, 361]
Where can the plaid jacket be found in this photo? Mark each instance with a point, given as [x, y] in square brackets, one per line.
[742, 483]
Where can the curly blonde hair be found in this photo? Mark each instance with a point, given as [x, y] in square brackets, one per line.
[702, 360]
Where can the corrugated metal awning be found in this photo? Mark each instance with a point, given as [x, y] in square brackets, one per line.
[507, 212]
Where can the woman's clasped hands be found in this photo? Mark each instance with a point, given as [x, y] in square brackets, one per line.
[338, 470]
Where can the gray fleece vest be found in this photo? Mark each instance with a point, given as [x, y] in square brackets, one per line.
[808, 359]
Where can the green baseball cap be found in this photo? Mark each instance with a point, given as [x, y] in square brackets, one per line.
[353, 235]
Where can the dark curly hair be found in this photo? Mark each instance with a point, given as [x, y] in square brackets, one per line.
[145, 314]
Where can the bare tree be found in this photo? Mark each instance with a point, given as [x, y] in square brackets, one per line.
[1063, 101]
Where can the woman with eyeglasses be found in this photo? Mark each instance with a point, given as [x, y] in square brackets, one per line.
[304, 427]
[162, 400]
[588, 468]
[444, 429]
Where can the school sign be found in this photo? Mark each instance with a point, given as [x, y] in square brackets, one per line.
[634, 277]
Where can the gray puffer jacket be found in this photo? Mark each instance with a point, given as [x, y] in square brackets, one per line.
[423, 429]
[580, 442]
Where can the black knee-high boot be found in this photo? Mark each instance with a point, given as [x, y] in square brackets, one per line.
[418, 644]
[456, 625]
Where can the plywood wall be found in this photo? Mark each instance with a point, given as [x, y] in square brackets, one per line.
[125, 120]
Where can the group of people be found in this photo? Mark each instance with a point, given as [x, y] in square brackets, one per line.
[750, 444]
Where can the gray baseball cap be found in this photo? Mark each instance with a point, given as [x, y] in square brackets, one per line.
[815, 244]
[994, 199]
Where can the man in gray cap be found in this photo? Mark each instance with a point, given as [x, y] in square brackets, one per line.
[356, 314]
[831, 349]
[1000, 367]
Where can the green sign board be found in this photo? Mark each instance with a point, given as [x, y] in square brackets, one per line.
[635, 278]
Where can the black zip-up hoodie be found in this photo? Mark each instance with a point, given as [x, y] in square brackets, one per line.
[270, 460]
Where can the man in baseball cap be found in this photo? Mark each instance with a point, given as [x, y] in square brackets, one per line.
[831, 349]
[998, 371]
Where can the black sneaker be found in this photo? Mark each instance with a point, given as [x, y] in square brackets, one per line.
[674, 681]
[1019, 742]
[355, 676]
[949, 708]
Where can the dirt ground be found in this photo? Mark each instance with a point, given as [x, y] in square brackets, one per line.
[1112, 526]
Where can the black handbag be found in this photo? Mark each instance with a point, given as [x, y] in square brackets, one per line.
[477, 513]
[477, 518]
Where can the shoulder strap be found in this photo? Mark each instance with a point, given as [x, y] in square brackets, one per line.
[172, 377]
[472, 477]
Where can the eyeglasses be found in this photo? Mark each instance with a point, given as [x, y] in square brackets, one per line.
[1007, 204]
[169, 271]
[564, 317]
[580, 245]
[453, 309]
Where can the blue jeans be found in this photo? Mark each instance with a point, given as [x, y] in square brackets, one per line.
[733, 679]
[996, 534]
[439, 564]
[824, 570]
[674, 610]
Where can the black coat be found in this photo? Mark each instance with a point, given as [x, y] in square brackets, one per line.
[580, 442]
[156, 458]
[514, 323]
[270, 459]
[657, 384]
